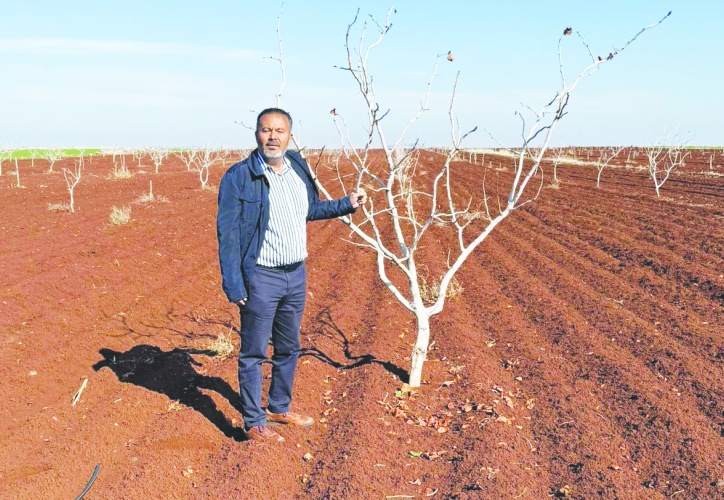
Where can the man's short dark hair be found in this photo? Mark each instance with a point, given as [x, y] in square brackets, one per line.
[274, 111]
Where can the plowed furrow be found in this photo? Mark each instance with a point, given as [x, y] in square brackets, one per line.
[623, 284]
[616, 368]
[666, 261]
[672, 358]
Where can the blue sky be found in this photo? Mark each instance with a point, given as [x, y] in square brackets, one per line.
[185, 73]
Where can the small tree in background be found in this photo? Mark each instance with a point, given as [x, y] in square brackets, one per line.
[558, 158]
[157, 156]
[52, 156]
[663, 160]
[72, 178]
[604, 160]
[34, 153]
[187, 157]
[138, 154]
[202, 162]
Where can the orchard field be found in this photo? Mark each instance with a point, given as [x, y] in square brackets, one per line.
[584, 357]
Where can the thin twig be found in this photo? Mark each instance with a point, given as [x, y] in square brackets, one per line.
[524, 490]
[80, 391]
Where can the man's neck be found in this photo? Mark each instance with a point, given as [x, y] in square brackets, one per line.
[277, 164]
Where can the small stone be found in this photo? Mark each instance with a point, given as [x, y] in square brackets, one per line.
[32, 373]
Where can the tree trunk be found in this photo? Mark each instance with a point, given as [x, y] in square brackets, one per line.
[419, 352]
[204, 176]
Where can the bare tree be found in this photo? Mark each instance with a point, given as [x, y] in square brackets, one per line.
[604, 160]
[187, 157]
[72, 178]
[52, 156]
[34, 153]
[405, 205]
[157, 156]
[663, 160]
[202, 162]
[138, 154]
[558, 158]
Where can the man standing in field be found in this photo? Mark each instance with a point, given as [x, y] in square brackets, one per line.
[265, 202]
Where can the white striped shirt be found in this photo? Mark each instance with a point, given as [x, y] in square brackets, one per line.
[285, 239]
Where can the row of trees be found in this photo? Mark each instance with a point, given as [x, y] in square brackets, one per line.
[198, 160]
[661, 160]
[156, 155]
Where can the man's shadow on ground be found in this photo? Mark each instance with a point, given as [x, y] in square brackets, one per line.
[172, 373]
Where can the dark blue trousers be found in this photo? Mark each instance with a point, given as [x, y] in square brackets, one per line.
[274, 309]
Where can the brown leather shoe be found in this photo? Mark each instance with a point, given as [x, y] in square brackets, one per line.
[263, 433]
[289, 418]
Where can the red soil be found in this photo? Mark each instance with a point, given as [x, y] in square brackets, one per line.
[584, 358]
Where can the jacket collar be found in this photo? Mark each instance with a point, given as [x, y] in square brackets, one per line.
[256, 168]
[297, 164]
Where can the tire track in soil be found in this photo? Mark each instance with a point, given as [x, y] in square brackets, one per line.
[648, 422]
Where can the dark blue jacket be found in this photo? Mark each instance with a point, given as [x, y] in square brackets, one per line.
[243, 217]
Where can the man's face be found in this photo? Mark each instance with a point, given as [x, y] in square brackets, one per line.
[272, 137]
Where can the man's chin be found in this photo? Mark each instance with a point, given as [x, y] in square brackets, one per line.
[272, 155]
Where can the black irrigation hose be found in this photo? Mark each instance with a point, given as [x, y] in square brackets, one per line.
[90, 482]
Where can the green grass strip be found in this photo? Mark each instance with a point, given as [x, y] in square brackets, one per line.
[26, 154]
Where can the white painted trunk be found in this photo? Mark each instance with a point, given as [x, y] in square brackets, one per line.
[419, 352]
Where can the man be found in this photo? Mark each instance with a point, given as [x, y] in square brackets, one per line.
[265, 202]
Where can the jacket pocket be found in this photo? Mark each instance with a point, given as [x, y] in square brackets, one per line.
[250, 209]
